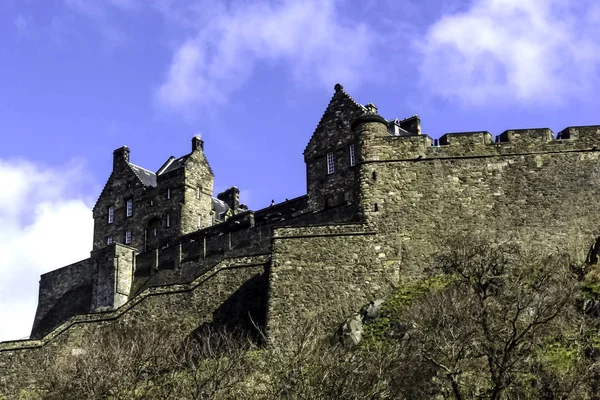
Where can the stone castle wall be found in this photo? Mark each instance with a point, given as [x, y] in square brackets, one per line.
[358, 232]
[231, 294]
[526, 186]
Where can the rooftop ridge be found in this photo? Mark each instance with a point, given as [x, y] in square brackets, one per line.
[137, 166]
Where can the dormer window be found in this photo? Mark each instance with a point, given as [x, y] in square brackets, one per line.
[129, 211]
[168, 194]
[330, 163]
[127, 236]
[352, 156]
[111, 215]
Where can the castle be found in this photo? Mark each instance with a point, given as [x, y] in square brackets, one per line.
[381, 196]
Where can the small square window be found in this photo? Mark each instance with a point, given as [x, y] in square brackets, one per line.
[352, 156]
[127, 236]
[109, 240]
[111, 215]
[330, 163]
[129, 207]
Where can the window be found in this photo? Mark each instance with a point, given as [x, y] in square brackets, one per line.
[330, 163]
[198, 192]
[154, 231]
[352, 157]
[109, 240]
[127, 236]
[199, 221]
[129, 207]
[168, 194]
[111, 215]
[168, 220]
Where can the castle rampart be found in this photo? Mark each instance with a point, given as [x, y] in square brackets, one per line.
[382, 198]
[526, 185]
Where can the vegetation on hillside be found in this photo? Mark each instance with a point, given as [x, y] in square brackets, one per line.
[490, 322]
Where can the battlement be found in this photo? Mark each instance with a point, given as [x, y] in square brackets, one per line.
[482, 143]
[379, 195]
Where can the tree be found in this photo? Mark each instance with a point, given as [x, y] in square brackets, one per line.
[483, 330]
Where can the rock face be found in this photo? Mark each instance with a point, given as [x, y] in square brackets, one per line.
[372, 310]
[351, 331]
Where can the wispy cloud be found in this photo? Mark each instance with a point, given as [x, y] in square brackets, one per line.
[45, 225]
[526, 51]
[315, 43]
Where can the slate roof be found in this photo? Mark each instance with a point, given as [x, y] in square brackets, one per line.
[175, 164]
[148, 178]
[219, 206]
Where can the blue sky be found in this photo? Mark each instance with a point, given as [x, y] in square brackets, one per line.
[79, 78]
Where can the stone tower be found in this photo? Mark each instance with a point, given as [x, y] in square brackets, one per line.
[331, 154]
[146, 210]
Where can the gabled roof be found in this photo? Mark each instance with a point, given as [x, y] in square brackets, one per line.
[148, 178]
[339, 114]
[173, 165]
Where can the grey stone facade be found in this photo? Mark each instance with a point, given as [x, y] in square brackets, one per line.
[381, 196]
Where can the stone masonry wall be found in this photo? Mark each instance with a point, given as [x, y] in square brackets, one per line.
[113, 277]
[326, 272]
[332, 135]
[198, 191]
[228, 295]
[121, 185]
[63, 293]
[528, 187]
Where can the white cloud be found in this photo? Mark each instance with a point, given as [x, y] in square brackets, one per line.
[45, 225]
[311, 38]
[526, 51]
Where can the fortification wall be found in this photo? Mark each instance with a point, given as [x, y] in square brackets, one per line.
[228, 295]
[528, 186]
[242, 235]
[326, 272]
[63, 292]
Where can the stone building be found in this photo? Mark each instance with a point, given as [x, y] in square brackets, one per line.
[381, 196]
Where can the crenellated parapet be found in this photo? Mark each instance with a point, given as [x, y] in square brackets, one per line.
[380, 147]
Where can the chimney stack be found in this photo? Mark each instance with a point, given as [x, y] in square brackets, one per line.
[120, 157]
[231, 197]
[197, 143]
[411, 125]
